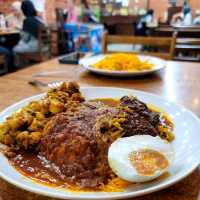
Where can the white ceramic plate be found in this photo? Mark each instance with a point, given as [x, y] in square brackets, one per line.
[186, 146]
[87, 63]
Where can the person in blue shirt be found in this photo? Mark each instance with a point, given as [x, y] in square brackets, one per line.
[141, 26]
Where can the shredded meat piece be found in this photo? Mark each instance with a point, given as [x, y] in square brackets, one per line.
[139, 119]
[24, 128]
[141, 108]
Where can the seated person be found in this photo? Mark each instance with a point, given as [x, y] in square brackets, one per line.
[141, 27]
[177, 19]
[74, 12]
[31, 26]
[79, 11]
[88, 13]
[197, 18]
[184, 18]
[187, 17]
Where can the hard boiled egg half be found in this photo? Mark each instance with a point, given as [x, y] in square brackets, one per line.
[140, 158]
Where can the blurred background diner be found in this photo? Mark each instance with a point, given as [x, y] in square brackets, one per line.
[33, 31]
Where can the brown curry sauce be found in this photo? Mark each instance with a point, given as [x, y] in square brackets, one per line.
[34, 166]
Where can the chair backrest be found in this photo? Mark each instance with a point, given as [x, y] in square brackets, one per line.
[44, 40]
[2, 59]
[61, 34]
[3, 66]
[159, 42]
[60, 17]
[188, 41]
[182, 31]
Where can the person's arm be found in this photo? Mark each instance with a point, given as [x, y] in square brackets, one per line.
[175, 17]
[25, 36]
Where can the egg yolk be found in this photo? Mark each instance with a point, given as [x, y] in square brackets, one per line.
[148, 161]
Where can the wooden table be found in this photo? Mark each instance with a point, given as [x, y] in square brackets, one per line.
[10, 32]
[9, 38]
[180, 82]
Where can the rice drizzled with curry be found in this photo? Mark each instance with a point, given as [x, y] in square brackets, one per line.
[72, 135]
[123, 62]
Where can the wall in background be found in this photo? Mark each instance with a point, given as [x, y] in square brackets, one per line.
[5, 5]
[137, 4]
[159, 6]
[51, 5]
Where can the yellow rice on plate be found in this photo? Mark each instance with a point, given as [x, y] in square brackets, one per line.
[123, 62]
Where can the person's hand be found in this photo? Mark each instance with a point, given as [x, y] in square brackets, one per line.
[175, 17]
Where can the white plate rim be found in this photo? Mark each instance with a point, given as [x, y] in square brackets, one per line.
[128, 194]
[88, 67]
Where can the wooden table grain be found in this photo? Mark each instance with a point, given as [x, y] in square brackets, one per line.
[179, 82]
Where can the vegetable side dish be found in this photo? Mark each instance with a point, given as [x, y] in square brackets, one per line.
[25, 127]
[64, 139]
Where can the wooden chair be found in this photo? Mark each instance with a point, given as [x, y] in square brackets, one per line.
[61, 33]
[158, 42]
[190, 47]
[59, 17]
[181, 31]
[44, 48]
[3, 66]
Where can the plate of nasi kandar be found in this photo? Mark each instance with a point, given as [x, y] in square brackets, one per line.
[122, 64]
[97, 143]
